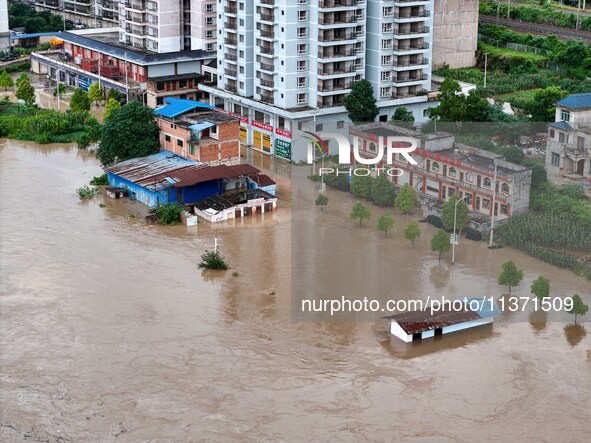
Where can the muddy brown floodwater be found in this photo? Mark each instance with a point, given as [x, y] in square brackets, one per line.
[110, 333]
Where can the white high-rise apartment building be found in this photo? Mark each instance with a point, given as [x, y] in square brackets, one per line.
[168, 25]
[288, 64]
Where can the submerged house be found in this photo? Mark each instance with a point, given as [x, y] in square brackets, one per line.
[417, 325]
[169, 178]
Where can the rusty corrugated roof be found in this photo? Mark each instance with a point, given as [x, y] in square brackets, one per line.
[415, 322]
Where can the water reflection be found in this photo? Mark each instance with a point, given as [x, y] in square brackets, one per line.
[574, 334]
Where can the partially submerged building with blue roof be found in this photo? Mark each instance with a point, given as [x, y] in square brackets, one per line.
[568, 151]
[199, 132]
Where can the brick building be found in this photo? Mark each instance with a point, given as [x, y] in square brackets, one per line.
[446, 168]
[199, 132]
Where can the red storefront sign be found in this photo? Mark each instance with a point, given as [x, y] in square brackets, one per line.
[283, 133]
[263, 126]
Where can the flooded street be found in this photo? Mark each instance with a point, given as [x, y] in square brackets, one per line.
[110, 332]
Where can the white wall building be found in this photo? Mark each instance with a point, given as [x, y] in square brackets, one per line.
[4, 29]
[287, 65]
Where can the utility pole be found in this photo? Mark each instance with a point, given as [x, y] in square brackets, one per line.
[498, 9]
[485, 67]
[215, 244]
[509, 9]
[578, 15]
[57, 76]
[494, 202]
[453, 243]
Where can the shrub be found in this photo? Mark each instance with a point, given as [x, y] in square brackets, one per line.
[169, 213]
[213, 260]
[86, 192]
[101, 180]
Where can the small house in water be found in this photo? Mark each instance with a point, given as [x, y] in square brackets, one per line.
[418, 325]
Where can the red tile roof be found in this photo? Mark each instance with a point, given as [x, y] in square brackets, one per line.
[420, 321]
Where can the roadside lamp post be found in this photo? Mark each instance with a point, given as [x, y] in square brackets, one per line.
[485, 67]
[453, 243]
[215, 244]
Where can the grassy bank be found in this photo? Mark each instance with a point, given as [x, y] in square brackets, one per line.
[31, 123]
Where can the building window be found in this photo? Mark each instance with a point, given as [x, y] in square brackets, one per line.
[504, 209]
[435, 167]
[302, 65]
[340, 124]
[302, 32]
[179, 142]
[487, 182]
[387, 11]
[485, 203]
[469, 177]
[302, 16]
[160, 86]
[167, 138]
[580, 143]
[452, 172]
[302, 49]
[555, 159]
[301, 99]
[182, 84]
[319, 127]
[301, 82]
[372, 147]
[386, 76]
[386, 60]
[564, 115]
[386, 91]
[192, 150]
[552, 133]
[561, 137]
[505, 188]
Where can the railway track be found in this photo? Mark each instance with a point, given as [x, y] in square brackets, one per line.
[537, 28]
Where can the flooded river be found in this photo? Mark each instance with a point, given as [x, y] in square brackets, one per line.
[110, 333]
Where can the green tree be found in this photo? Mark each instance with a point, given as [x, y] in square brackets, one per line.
[447, 214]
[452, 104]
[403, 117]
[21, 78]
[361, 185]
[321, 200]
[406, 200]
[513, 154]
[129, 132]
[213, 260]
[412, 231]
[59, 89]
[385, 223]
[114, 94]
[540, 287]
[510, 275]
[25, 92]
[6, 80]
[440, 243]
[360, 212]
[579, 307]
[477, 109]
[361, 103]
[382, 190]
[79, 101]
[112, 104]
[539, 176]
[542, 107]
[95, 93]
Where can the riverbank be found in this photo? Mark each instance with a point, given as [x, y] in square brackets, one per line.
[111, 332]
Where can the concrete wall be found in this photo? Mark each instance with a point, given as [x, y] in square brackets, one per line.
[455, 33]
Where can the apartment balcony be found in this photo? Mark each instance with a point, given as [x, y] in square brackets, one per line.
[231, 10]
[267, 67]
[335, 4]
[231, 26]
[267, 17]
[268, 98]
[231, 58]
[268, 84]
[333, 39]
[409, 15]
[268, 3]
[333, 55]
[332, 72]
[231, 41]
[231, 72]
[331, 103]
[410, 2]
[267, 35]
[406, 32]
[407, 48]
[416, 93]
[231, 88]
[268, 51]
[339, 88]
[135, 5]
[136, 18]
[336, 20]
[408, 79]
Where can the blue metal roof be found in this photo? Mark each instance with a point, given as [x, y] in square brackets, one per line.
[562, 125]
[178, 106]
[38, 34]
[577, 101]
[201, 126]
[484, 307]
